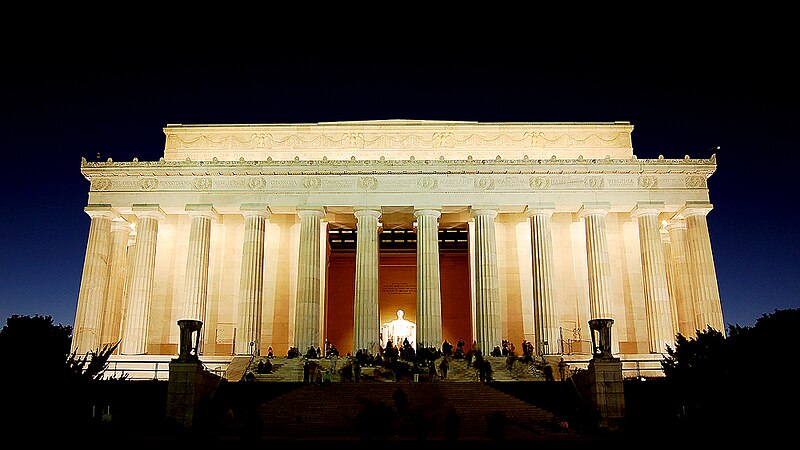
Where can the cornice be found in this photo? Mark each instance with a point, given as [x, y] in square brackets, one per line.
[387, 166]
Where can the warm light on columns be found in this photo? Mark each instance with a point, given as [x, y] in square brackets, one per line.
[366, 318]
[307, 311]
[196, 281]
[684, 298]
[251, 281]
[654, 276]
[140, 290]
[545, 313]
[94, 281]
[599, 265]
[487, 280]
[429, 297]
[707, 306]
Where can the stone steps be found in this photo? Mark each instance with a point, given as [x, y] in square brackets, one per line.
[340, 409]
[291, 370]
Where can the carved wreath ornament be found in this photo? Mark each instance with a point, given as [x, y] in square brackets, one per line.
[148, 184]
[101, 184]
[367, 183]
[540, 183]
[202, 184]
[311, 183]
[257, 183]
[428, 183]
[484, 184]
[594, 182]
[695, 181]
[648, 182]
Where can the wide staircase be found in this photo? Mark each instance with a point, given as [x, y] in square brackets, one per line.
[291, 370]
[369, 409]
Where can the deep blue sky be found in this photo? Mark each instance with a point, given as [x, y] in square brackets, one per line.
[59, 104]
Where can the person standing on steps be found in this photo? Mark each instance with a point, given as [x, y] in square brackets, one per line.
[443, 366]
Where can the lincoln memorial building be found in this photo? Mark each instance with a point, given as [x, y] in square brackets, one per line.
[286, 235]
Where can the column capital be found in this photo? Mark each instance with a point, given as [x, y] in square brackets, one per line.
[119, 224]
[255, 210]
[317, 212]
[695, 209]
[483, 210]
[152, 211]
[676, 224]
[664, 235]
[594, 209]
[647, 209]
[201, 210]
[540, 209]
[100, 211]
[367, 211]
[428, 212]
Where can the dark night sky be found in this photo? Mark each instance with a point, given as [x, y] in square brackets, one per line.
[64, 102]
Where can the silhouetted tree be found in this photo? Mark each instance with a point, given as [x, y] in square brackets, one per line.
[740, 385]
[47, 389]
[34, 342]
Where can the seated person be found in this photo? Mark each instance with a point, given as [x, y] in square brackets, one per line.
[311, 353]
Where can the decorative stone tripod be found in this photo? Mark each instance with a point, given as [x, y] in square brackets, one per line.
[189, 382]
[601, 338]
[601, 385]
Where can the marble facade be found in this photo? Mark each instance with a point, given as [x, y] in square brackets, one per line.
[231, 226]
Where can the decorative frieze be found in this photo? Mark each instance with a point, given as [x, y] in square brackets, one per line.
[399, 182]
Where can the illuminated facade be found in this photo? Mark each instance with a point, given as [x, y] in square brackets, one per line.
[285, 235]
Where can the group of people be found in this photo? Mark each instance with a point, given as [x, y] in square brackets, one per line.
[429, 357]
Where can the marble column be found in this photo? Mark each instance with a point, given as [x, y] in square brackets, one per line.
[307, 311]
[599, 266]
[705, 291]
[673, 299]
[251, 282]
[94, 280]
[366, 325]
[487, 281]
[429, 295]
[684, 301]
[654, 277]
[594, 215]
[545, 313]
[196, 280]
[137, 314]
[117, 271]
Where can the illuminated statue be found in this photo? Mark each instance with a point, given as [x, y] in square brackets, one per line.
[398, 330]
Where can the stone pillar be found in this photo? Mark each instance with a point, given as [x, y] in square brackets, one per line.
[137, 314]
[707, 307]
[130, 253]
[366, 325]
[683, 286]
[117, 271]
[94, 280]
[196, 282]
[599, 266]
[673, 299]
[429, 295]
[487, 282]
[654, 277]
[545, 313]
[307, 311]
[251, 283]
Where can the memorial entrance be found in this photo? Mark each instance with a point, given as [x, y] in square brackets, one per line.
[397, 280]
